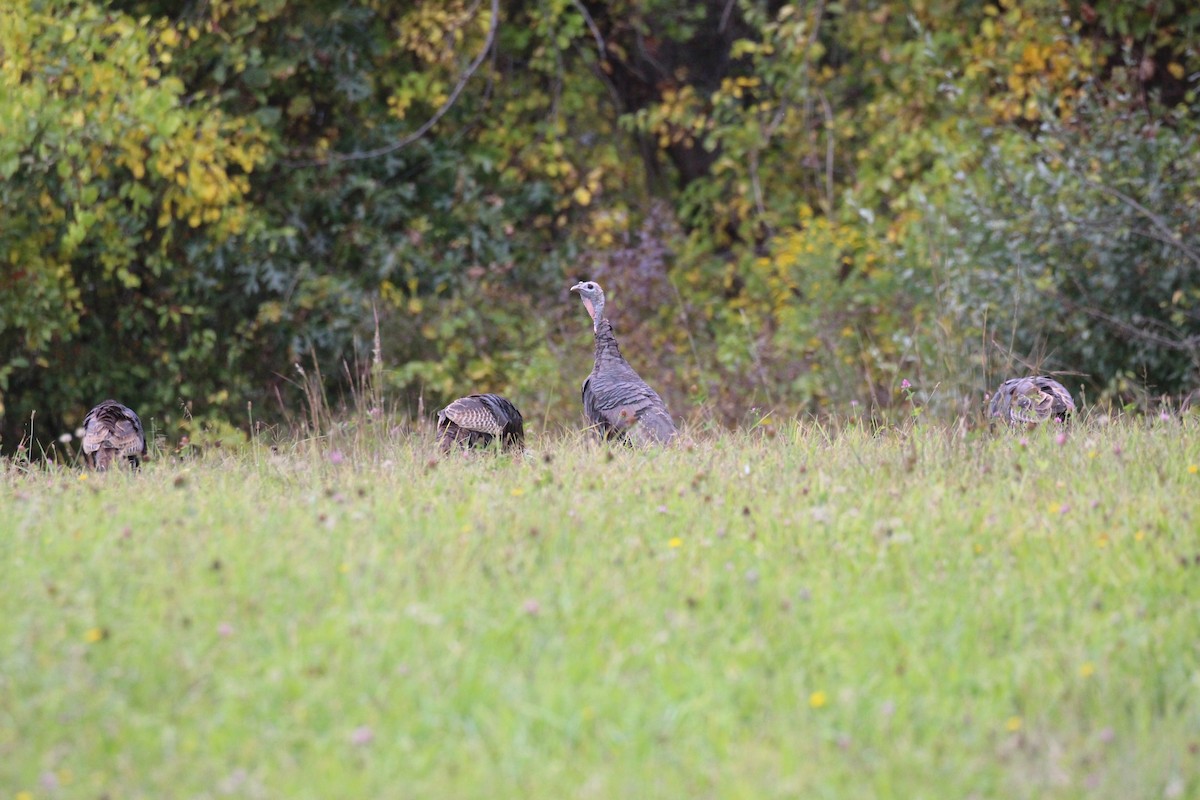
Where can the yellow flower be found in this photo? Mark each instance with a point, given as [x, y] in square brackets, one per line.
[1087, 670]
[518, 492]
[817, 699]
[1139, 535]
[1013, 725]
[94, 635]
[24, 796]
[1193, 469]
[675, 542]
[83, 476]
[1102, 540]
[344, 568]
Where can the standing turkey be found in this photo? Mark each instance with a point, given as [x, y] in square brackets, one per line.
[477, 420]
[112, 432]
[616, 401]
[1031, 401]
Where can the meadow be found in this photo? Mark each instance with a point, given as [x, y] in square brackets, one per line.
[790, 611]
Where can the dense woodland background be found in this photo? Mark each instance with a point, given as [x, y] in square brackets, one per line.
[793, 206]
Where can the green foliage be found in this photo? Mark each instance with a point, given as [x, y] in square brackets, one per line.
[112, 179]
[1080, 247]
[795, 204]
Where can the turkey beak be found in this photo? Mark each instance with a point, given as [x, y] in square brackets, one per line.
[577, 287]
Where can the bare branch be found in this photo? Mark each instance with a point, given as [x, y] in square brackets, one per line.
[601, 54]
[601, 47]
[725, 16]
[1169, 236]
[427, 126]
[1187, 344]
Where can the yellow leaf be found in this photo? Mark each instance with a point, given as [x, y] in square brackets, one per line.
[582, 196]
[1176, 71]
[69, 33]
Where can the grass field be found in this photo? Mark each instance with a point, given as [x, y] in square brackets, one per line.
[810, 614]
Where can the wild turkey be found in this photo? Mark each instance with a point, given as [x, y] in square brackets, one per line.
[616, 401]
[476, 421]
[112, 432]
[1031, 401]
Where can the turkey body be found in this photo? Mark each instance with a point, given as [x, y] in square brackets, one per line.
[111, 433]
[478, 420]
[616, 401]
[1031, 401]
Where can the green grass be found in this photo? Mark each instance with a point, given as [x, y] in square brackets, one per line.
[813, 614]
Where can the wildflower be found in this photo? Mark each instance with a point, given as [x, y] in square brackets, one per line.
[817, 699]
[83, 476]
[362, 735]
[1193, 469]
[1164, 416]
[225, 630]
[1013, 725]
[1087, 670]
[65, 438]
[1092, 454]
[344, 568]
[517, 492]
[531, 607]
[675, 542]
[336, 457]
[904, 384]
[1102, 541]
[94, 635]
[1061, 438]
[1139, 535]
[1023, 442]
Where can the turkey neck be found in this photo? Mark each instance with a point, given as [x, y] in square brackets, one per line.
[606, 344]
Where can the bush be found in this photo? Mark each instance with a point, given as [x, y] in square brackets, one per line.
[1076, 248]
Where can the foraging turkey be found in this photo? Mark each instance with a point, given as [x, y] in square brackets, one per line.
[1031, 400]
[476, 421]
[616, 401]
[112, 432]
